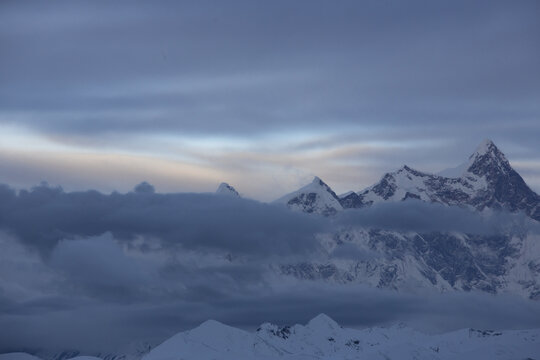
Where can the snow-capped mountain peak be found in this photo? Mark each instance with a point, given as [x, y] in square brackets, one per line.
[486, 181]
[226, 189]
[402, 184]
[488, 160]
[485, 147]
[316, 197]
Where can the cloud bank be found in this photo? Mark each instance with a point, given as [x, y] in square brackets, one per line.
[96, 272]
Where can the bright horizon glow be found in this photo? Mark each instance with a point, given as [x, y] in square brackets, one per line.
[262, 168]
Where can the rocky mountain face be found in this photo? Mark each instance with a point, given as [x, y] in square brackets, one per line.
[433, 260]
[316, 197]
[505, 188]
[488, 182]
[504, 262]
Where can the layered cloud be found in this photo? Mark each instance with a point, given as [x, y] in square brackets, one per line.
[419, 216]
[96, 272]
[45, 215]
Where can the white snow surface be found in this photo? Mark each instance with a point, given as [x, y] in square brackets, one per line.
[323, 338]
[407, 181]
[18, 356]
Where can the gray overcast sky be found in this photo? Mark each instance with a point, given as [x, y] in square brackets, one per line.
[263, 95]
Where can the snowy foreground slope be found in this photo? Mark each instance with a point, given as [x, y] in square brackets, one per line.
[323, 338]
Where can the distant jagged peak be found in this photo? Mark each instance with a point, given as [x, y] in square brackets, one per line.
[226, 189]
[144, 188]
[405, 168]
[316, 185]
[487, 159]
[317, 181]
[485, 147]
[409, 170]
[315, 197]
[401, 176]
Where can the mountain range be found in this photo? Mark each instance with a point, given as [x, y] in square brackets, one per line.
[487, 181]
[505, 261]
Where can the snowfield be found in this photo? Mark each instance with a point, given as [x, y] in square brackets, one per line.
[323, 338]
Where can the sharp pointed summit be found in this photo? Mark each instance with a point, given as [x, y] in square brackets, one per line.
[226, 189]
[486, 146]
[499, 185]
[488, 160]
[316, 197]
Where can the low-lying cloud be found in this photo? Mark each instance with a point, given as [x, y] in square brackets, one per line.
[44, 215]
[96, 272]
[420, 216]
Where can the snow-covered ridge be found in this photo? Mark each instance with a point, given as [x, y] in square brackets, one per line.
[323, 338]
[486, 181]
